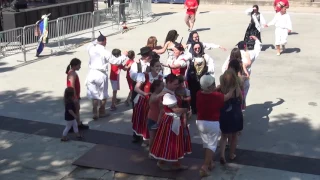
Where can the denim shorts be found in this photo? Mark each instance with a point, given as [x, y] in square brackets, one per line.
[152, 125]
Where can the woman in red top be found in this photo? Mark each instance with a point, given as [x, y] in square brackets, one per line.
[209, 102]
[74, 82]
[127, 67]
[191, 6]
[141, 101]
[169, 142]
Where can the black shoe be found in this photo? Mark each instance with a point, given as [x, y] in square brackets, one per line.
[82, 126]
[136, 138]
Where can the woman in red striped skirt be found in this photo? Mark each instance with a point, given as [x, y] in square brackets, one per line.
[169, 145]
[141, 101]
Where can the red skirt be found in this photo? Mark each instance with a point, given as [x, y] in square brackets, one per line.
[168, 146]
[139, 118]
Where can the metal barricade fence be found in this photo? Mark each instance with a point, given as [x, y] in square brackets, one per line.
[62, 29]
[11, 42]
[72, 25]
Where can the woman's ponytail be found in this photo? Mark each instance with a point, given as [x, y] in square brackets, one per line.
[68, 68]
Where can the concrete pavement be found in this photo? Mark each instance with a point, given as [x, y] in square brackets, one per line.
[33, 91]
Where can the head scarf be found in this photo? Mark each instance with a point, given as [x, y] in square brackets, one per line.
[190, 39]
[194, 54]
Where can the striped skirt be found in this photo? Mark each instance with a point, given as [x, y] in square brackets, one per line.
[139, 118]
[168, 146]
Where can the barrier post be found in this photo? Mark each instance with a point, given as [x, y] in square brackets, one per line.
[93, 22]
[24, 51]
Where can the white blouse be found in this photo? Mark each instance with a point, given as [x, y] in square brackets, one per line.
[258, 25]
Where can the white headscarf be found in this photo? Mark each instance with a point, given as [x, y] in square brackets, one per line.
[206, 81]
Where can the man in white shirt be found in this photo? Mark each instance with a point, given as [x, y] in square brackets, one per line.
[97, 78]
[283, 25]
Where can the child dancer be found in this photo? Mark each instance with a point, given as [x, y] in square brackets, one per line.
[70, 114]
[155, 106]
[283, 25]
[127, 67]
[114, 79]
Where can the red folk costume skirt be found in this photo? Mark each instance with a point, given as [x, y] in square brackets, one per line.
[167, 145]
[139, 117]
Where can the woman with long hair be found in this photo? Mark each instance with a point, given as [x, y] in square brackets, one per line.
[199, 65]
[168, 145]
[74, 82]
[231, 117]
[141, 101]
[240, 55]
[256, 24]
[168, 46]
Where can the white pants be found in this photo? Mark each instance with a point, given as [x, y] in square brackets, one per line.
[210, 133]
[70, 124]
[97, 85]
[281, 36]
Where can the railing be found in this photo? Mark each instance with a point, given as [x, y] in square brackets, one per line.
[61, 30]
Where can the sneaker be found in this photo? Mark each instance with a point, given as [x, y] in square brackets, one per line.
[278, 54]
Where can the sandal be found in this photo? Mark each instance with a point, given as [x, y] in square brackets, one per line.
[232, 157]
[222, 161]
[113, 108]
[203, 173]
[64, 139]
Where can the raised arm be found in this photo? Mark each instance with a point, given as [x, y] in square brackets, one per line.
[163, 49]
[248, 11]
[210, 64]
[209, 46]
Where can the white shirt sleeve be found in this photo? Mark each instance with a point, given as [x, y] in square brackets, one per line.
[133, 71]
[210, 64]
[209, 46]
[257, 48]
[289, 23]
[117, 60]
[181, 62]
[248, 11]
[225, 64]
[169, 100]
[141, 77]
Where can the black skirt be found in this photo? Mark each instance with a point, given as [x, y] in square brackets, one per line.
[231, 117]
[252, 31]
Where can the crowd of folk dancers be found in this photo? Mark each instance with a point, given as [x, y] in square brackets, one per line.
[164, 96]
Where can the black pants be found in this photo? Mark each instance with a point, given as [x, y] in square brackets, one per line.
[194, 87]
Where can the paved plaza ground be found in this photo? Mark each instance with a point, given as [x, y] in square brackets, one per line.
[281, 117]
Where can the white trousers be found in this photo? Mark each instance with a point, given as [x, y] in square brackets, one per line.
[210, 133]
[246, 89]
[70, 124]
[97, 85]
[281, 36]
